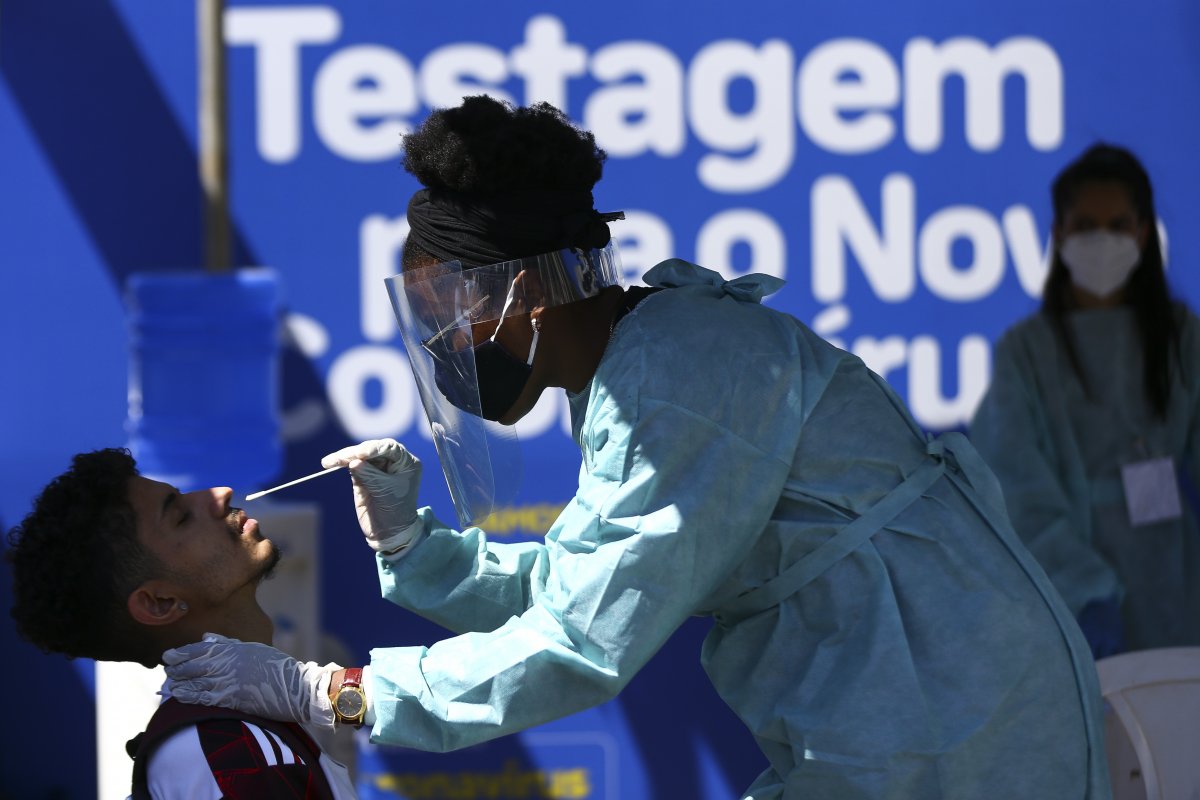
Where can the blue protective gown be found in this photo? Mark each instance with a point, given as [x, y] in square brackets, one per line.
[1058, 450]
[724, 445]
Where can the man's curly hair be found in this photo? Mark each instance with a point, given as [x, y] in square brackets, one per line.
[75, 560]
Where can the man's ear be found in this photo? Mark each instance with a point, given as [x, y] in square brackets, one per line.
[156, 603]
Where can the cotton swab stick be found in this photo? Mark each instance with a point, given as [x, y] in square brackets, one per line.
[257, 495]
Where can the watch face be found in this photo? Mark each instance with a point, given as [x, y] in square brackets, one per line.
[350, 703]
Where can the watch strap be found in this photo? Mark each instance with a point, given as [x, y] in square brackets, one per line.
[352, 677]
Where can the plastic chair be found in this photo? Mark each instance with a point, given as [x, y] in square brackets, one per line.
[1152, 723]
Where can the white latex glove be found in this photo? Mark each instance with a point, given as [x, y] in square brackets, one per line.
[386, 478]
[250, 677]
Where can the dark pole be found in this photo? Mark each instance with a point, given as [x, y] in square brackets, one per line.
[214, 159]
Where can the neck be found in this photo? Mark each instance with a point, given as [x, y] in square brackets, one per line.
[590, 325]
[246, 624]
[1086, 300]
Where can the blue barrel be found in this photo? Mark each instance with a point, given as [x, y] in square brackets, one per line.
[204, 377]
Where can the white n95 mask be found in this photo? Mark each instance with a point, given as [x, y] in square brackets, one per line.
[1100, 261]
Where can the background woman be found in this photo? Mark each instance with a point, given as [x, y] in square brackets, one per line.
[1090, 422]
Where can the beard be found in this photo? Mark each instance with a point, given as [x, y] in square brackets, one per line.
[233, 522]
[268, 567]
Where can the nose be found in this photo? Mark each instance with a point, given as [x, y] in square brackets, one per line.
[220, 496]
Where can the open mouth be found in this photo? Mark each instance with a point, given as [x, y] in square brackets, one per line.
[241, 525]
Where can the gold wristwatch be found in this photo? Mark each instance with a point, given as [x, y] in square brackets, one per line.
[350, 701]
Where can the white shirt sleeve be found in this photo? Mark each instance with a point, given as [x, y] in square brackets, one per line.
[179, 769]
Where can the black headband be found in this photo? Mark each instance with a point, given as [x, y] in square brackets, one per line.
[486, 230]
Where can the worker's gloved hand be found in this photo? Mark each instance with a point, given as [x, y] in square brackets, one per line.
[386, 478]
[252, 678]
[1100, 621]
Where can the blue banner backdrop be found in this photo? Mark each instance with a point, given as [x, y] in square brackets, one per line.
[890, 160]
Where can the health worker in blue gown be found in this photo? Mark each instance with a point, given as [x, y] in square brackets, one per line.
[1092, 419]
[876, 623]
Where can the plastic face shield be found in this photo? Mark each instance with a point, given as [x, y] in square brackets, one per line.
[444, 312]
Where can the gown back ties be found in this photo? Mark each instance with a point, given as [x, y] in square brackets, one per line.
[967, 472]
[841, 544]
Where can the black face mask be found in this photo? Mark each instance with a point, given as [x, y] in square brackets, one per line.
[501, 378]
[500, 375]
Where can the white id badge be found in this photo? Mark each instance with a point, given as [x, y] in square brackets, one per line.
[1151, 491]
